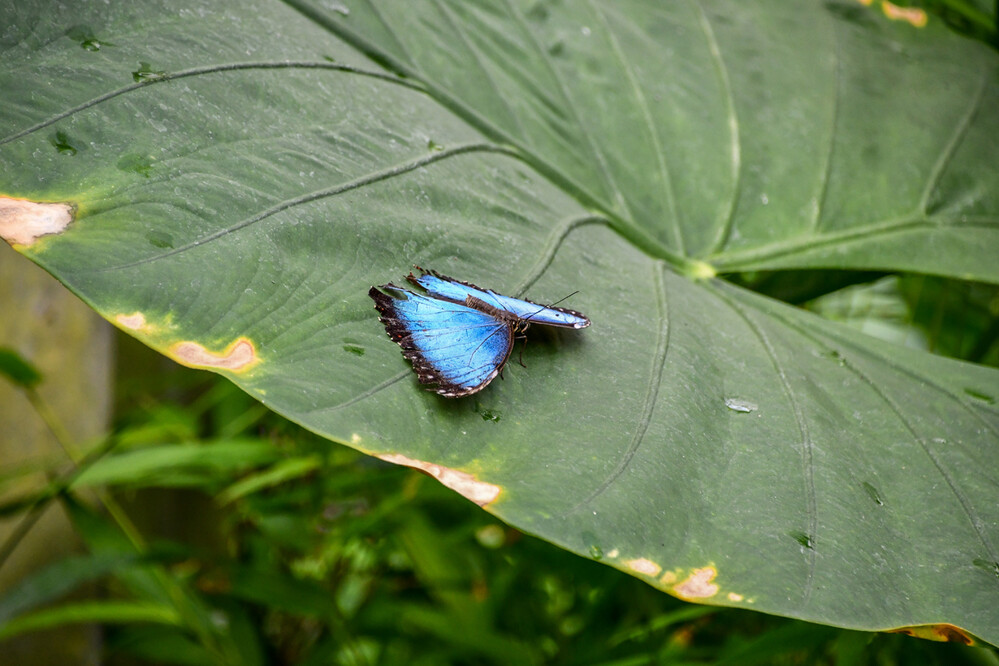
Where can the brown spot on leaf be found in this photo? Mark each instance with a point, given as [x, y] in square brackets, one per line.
[644, 566]
[915, 16]
[698, 584]
[937, 632]
[237, 357]
[465, 484]
[134, 322]
[22, 222]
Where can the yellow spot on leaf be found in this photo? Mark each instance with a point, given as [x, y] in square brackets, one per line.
[23, 222]
[355, 439]
[237, 357]
[668, 578]
[937, 632]
[915, 16]
[700, 270]
[698, 584]
[644, 566]
[134, 322]
[463, 483]
[614, 553]
[732, 596]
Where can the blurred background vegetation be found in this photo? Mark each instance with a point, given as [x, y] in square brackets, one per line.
[158, 515]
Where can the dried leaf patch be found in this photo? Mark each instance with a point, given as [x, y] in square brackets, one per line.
[22, 222]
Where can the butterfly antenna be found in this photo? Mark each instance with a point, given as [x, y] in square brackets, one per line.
[564, 298]
[545, 307]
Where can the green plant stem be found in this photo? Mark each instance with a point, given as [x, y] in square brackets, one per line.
[189, 611]
[53, 423]
[56, 487]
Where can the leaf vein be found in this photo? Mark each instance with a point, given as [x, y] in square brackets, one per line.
[320, 194]
[554, 242]
[200, 71]
[563, 88]
[730, 261]
[948, 152]
[462, 35]
[966, 506]
[651, 395]
[826, 175]
[728, 218]
[807, 453]
[657, 143]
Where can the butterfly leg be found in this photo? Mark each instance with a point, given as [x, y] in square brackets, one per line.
[521, 358]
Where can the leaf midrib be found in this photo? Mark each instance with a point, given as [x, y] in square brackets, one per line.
[632, 232]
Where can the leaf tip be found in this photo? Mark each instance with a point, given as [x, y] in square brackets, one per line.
[17, 369]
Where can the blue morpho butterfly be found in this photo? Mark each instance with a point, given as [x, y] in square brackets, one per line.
[458, 336]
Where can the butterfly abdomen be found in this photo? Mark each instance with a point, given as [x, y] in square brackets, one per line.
[510, 318]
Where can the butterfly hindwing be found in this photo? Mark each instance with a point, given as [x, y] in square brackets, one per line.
[457, 291]
[456, 348]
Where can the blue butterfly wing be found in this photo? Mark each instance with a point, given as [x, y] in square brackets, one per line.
[456, 291]
[453, 347]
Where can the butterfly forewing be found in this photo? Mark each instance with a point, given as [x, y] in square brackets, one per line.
[457, 291]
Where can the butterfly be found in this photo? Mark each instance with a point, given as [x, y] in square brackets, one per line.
[457, 336]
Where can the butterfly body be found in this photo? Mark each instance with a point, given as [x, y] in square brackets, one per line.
[454, 290]
[458, 336]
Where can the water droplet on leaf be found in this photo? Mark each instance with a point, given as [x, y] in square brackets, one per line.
[160, 239]
[136, 163]
[804, 539]
[146, 73]
[873, 492]
[488, 415]
[62, 144]
[988, 565]
[84, 36]
[739, 405]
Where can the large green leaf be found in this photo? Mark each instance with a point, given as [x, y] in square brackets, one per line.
[235, 179]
